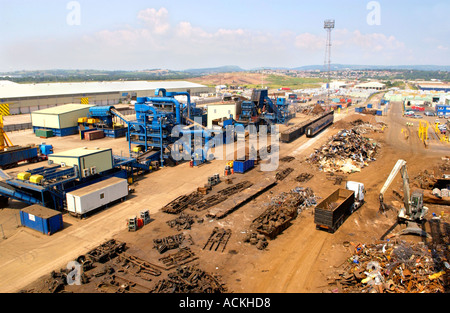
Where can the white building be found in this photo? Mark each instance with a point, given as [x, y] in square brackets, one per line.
[371, 86]
[25, 98]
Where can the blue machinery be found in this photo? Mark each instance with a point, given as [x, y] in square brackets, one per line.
[262, 110]
[157, 130]
[50, 191]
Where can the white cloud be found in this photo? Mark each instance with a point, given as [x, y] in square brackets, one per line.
[157, 21]
[158, 43]
[309, 41]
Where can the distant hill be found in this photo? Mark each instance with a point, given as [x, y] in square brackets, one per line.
[212, 70]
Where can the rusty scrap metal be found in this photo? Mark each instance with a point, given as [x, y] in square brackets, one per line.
[183, 221]
[142, 265]
[304, 177]
[284, 173]
[182, 202]
[182, 256]
[170, 242]
[219, 237]
[189, 279]
[282, 210]
[348, 151]
[394, 267]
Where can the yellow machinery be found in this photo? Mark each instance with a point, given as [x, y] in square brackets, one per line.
[24, 176]
[4, 140]
[423, 130]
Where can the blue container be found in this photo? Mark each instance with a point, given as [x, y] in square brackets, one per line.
[369, 106]
[243, 166]
[42, 219]
[16, 156]
[379, 112]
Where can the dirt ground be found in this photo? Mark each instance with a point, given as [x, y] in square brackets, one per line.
[299, 260]
[236, 79]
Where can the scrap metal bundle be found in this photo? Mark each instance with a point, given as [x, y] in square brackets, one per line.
[182, 202]
[143, 267]
[395, 267]
[304, 177]
[284, 173]
[184, 221]
[219, 237]
[182, 256]
[169, 242]
[282, 210]
[189, 279]
[103, 252]
[347, 151]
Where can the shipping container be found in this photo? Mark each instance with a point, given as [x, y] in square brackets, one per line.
[93, 135]
[369, 106]
[42, 219]
[243, 166]
[44, 133]
[95, 196]
[11, 156]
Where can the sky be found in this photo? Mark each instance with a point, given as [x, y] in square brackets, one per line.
[180, 34]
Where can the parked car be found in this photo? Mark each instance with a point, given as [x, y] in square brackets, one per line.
[428, 113]
[417, 116]
[436, 121]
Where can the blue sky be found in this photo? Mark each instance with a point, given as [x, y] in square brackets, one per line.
[137, 34]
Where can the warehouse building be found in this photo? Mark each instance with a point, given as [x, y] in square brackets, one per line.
[371, 86]
[61, 120]
[25, 98]
[434, 86]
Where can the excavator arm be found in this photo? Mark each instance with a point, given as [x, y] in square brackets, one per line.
[400, 166]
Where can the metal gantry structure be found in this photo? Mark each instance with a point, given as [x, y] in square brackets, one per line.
[328, 26]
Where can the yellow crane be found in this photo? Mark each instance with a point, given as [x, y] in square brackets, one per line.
[4, 140]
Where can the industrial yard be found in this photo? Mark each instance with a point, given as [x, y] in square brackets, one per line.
[220, 235]
[204, 151]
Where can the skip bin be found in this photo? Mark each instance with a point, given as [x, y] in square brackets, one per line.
[42, 219]
[243, 166]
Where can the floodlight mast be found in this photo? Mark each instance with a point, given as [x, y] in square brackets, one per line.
[328, 26]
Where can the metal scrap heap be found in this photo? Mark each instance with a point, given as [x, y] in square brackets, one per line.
[394, 267]
[282, 210]
[348, 151]
[189, 279]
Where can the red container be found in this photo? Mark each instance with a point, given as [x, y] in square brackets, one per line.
[95, 134]
[140, 222]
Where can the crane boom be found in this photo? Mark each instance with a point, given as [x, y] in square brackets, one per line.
[400, 166]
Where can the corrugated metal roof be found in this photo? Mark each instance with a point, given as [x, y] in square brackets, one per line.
[35, 90]
[61, 109]
[78, 152]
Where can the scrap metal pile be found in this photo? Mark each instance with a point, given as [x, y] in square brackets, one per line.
[395, 267]
[189, 279]
[282, 210]
[284, 173]
[348, 151]
[218, 238]
[184, 221]
[197, 201]
[182, 256]
[170, 242]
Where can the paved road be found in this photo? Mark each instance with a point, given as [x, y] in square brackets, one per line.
[405, 137]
